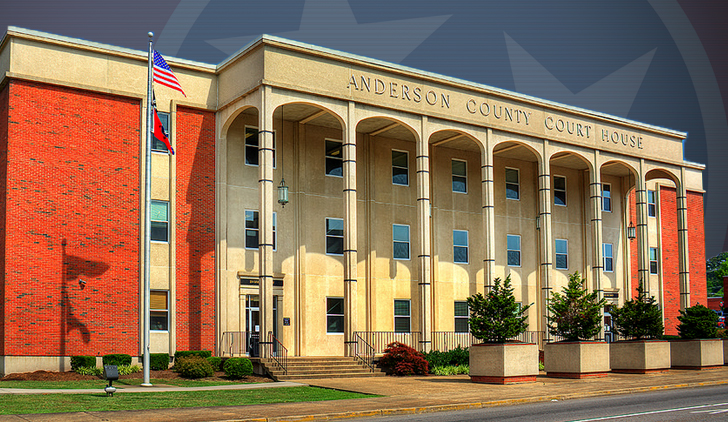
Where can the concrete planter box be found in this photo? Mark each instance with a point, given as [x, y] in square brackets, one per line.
[640, 356]
[503, 363]
[577, 359]
[696, 354]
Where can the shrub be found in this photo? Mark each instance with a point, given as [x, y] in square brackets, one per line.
[721, 333]
[237, 368]
[128, 369]
[639, 318]
[194, 367]
[216, 362]
[400, 359]
[496, 316]
[117, 359]
[159, 361]
[82, 362]
[201, 353]
[575, 314]
[450, 370]
[456, 357]
[697, 322]
[89, 370]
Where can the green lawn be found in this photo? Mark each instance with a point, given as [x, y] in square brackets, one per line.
[55, 403]
[100, 384]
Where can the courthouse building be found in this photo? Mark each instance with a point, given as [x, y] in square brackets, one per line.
[408, 192]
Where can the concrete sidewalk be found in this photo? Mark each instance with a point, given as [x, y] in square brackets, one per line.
[403, 395]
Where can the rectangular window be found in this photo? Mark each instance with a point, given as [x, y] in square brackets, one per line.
[158, 310]
[653, 261]
[252, 230]
[560, 190]
[606, 197]
[562, 254]
[334, 158]
[401, 316]
[334, 315]
[160, 221]
[512, 187]
[651, 203]
[400, 171]
[459, 176]
[460, 246]
[400, 241]
[157, 145]
[461, 317]
[334, 236]
[513, 245]
[608, 257]
[252, 145]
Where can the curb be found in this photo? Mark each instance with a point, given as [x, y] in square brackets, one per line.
[467, 406]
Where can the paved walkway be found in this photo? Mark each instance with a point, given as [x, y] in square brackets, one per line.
[402, 395]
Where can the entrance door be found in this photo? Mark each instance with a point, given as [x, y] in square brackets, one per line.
[252, 323]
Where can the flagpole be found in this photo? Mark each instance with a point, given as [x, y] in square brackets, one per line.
[147, 212]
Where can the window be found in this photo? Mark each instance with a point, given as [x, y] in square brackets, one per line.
[459, 176]
[560, 190]
[606, 197]
[400, 172]
[400, 241]
[562, 254]
[334, 236]
[461, 317]
[651, 203]
[158, 310]
[512, 191]
[160, 221]
[158, 145]
[514, 250]
[334, 158]
[653, 260]
[252, 146]
[334, 315]
[460, 246]
[401, 316]
[252, 229]
[608, 257]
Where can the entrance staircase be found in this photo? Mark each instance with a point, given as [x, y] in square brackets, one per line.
[319, 367]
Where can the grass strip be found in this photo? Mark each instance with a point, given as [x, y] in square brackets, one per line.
[15, 404]
[100, 384]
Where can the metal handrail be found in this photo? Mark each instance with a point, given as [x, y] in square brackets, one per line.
[379, 340]
[238, 343]
[363, 351]
[277, 353]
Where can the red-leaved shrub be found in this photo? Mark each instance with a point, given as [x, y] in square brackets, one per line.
[400, 359]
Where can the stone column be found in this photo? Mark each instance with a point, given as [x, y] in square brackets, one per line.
[350, 225]
[682, 229]
[488, 201]
[595, 189]
[544, 215]
[424, 233]
[265, 217]
[643, 240]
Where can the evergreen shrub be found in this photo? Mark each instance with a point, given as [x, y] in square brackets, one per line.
[159, 361]
[496, 316]
[237, 368]
[82, 362]
[117, 359]
[639, 318]
[400, 359]
[697, 322]
[455, 357]
[201, 353]
[575, 314]
[194, 367]
[216, 362]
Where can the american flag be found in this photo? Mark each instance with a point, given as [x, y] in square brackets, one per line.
[163, 75]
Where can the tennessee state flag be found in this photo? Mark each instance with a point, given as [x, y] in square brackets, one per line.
[158, 132]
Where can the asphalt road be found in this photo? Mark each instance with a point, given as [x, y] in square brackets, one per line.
[695, 404]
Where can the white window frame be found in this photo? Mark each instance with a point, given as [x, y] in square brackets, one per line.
[556, 254]
[166, 222]
[652, 206]
[466, 247]
[560, 190]
[518, 183]
[165, 311]
[395, 241]
[408, 316]
[257, 230]
[606, 257]
[406, 154]
[331, 157]
[520, 261]
[163, 117]
[326, 236]
[462, 176]
[606, 187]
[656, 261]
[465, 317]
[335, 316]
[245, 145]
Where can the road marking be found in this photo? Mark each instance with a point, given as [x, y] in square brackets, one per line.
[629, 415]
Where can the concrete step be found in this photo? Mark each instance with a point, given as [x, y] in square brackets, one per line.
[308, 376]
[358, 370]
[319, 367]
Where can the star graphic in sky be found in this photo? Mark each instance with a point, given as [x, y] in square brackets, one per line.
[332, 24]
[613, 94]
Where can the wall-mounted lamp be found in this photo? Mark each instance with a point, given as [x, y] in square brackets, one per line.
[538, 222]
[631, 231]
[82, 283]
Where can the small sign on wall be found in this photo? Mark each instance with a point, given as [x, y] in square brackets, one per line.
[286, 322]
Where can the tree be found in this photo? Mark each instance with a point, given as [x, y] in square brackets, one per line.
[715, 269]
[639, 318]
[698, 322]
[496, 317]
[575, 314]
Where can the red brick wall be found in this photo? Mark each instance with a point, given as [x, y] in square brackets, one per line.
[670, 259]
[3, 162]
[696, 245]
[72, 213]
[633, 248]
[195, 229]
